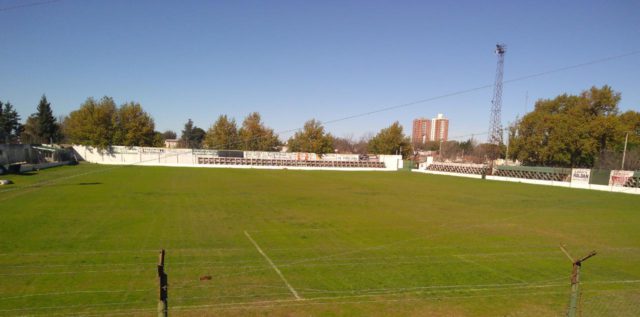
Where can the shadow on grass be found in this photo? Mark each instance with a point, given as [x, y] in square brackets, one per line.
[13, 185]
[30, 173]
[92, 183]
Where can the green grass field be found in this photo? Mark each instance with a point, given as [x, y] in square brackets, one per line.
[84, 240]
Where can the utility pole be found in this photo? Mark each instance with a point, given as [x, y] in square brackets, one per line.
[163, 307]
[624, 153]
[575, 281]
[506, 155]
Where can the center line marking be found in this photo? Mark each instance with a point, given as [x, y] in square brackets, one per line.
[275, 268]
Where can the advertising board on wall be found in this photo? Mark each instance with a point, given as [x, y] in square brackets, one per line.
[262, 155]
[580, 175]
[202, 152]
[340, 157]
[619, 178]
[124, 150]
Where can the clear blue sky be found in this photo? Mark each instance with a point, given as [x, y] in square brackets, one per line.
[296, 60]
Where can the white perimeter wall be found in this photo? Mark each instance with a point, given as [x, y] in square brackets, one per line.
[616, 189]
[186, 158]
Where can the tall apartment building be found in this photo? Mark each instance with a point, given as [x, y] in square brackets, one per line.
[424, 130]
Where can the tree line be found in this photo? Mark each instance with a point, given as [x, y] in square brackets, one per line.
[585, 130]
[40, 127]
[101, 123]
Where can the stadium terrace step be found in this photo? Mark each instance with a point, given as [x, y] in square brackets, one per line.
[296, 163]
[477, 169]
[533, 172]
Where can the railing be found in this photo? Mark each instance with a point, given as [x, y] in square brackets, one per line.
[292, 163]
[477, 169]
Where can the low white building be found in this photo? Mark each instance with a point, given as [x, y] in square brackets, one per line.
[171, 143]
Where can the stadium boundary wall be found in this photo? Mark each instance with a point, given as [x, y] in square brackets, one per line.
[608, 188]
[147, 156]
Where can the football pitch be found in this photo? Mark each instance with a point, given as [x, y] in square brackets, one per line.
[84, 240]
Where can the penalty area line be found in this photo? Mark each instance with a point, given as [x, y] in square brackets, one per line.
[275, 268]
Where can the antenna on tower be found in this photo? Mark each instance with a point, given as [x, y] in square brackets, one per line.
[495, 127]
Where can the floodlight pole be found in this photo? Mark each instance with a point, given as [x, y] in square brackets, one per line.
[575, 282]
[163, 308]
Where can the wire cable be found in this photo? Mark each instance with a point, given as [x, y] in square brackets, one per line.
[26, 5]
[404, 105]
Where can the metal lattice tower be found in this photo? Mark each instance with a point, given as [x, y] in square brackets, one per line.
[495, 127]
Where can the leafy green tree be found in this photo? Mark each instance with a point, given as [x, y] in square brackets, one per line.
[569, 130]
[255, 136]
[391, 140]
[223, 135]
[484, 152]
[629, 124]
[629, 129]
[29, 133]
[9, 123]
[192, 136]
[158, 139]
[46, 126]
[102, 124]
[451, 150]
[93, 124]
[344, 145]
[467, 146]
[169, 135]
[197, 137]
[186, 136]
[311, 139]
[427, 146]
[134, 126]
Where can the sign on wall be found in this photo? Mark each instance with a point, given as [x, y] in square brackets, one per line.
[619, 178]
[580, 175]
[340, 157]
[213, 153]
[270, 155]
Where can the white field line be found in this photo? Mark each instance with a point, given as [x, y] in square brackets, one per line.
[392, 292]
[454, 286]
[251, 304]
[275, 268]
[336, 300]
[70, 306]
[463, 259]
[277, 303]
[496, 257]
[245, 268]
[370, 291]
[438, 289]
[199, 251]
[76, 292]
[332, 299]
[63, 273]
[377, 247]
[390, 244]
[55, 294]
